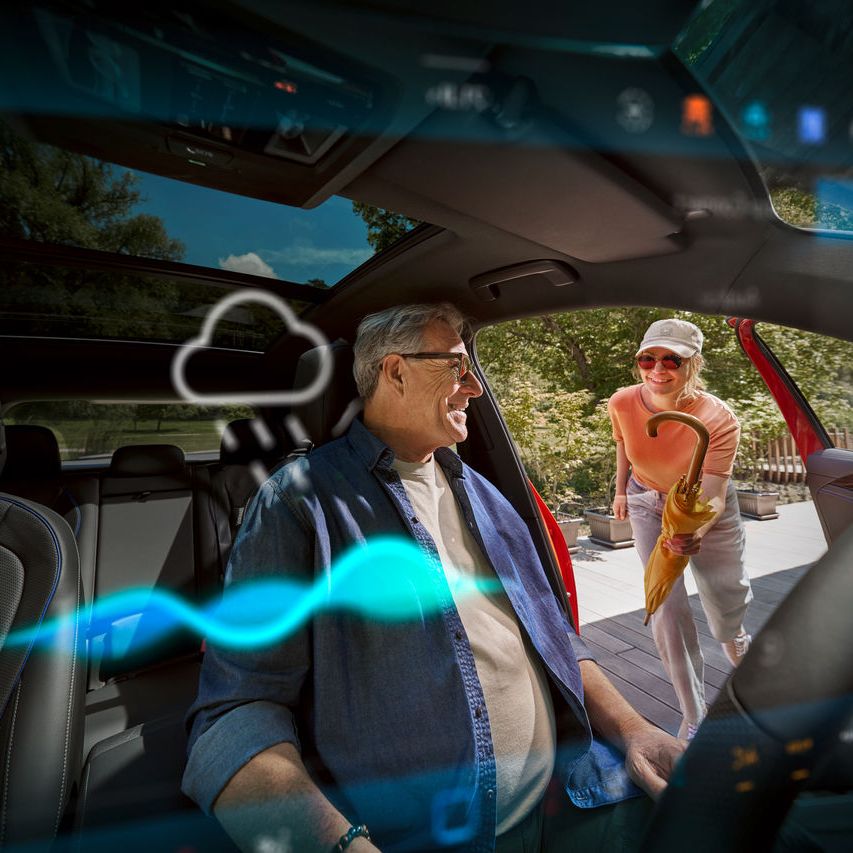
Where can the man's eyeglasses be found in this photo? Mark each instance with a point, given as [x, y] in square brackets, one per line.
[645, 361]
[461, 368]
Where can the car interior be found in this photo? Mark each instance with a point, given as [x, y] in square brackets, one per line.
[493, 130]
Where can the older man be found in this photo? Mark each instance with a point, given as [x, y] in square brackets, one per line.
[437, 732]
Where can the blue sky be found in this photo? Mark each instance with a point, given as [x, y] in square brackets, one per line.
[248, 235]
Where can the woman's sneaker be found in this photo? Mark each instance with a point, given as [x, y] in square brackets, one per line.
[735, 649]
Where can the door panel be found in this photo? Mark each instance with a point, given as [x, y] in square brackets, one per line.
[830, 481]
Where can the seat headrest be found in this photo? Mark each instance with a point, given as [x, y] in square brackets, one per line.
[32, 453]
[250, 439]
[147, 460]
[329, 414]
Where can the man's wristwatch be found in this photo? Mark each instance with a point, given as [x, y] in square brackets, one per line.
[349, 836]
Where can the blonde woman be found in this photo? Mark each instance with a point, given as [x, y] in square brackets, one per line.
[668, 367]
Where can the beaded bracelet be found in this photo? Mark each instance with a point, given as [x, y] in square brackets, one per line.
[349, 836]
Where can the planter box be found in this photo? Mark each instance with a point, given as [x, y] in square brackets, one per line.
[570, 530]
[607, 530]
[759, 505]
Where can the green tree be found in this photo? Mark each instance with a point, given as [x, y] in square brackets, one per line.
[384, 227]
[52, 195]
[760, 423]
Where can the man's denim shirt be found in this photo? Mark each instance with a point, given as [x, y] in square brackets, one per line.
[389, 716]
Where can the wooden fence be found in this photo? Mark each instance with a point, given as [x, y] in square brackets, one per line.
[782, 464]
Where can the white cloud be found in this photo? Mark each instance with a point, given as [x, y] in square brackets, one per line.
[304, 255]
[249, 263]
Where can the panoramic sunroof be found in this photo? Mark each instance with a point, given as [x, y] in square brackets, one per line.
[51, 195]
[781, 71]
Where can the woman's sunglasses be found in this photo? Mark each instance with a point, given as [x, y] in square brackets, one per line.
[669, 361]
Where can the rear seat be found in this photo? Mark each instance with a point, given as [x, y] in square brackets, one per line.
[134, 740]
[165, 525]
[145, 540]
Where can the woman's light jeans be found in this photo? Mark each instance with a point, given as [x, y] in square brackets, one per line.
[724, 591]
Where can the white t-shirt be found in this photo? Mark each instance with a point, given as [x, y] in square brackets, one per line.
[521, 714]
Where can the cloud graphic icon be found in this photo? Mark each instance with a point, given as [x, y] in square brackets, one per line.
[261, 398]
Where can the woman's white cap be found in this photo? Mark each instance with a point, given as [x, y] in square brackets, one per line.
[681, 337]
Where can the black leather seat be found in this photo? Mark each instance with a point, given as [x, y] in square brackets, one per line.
[146, 539]
[250, 451]
[135, 742]
[41, 686]
[330, 413]
[33, 470]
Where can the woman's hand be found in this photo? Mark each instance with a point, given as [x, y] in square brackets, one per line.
[685, 544]
[620, 506]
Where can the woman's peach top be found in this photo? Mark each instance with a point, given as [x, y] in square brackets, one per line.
[659, 462]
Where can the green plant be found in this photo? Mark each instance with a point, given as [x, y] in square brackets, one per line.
[760, 423]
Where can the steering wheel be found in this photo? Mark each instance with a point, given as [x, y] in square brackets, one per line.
[776, 726]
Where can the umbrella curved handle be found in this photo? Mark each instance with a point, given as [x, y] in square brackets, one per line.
[701, 444]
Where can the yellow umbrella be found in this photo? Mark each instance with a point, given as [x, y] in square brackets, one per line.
[683, 512]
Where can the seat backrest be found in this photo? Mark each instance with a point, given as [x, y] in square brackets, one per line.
[33, 471]
[250, 451]
[42, 678]
[145, 541]
[329, 413]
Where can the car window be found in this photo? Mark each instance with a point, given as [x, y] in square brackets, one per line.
[552, 377]
[89, 432]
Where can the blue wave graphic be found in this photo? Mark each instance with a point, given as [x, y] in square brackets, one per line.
[384, 579]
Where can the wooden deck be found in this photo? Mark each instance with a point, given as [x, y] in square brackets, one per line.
[610, 597]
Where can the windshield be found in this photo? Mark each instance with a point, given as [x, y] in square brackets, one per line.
[780, 71]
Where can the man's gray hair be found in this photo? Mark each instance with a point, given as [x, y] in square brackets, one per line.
[398, 329]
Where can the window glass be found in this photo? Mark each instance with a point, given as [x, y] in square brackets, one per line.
[552, 377]
[41, 300]
[51, 195]
[89, 432]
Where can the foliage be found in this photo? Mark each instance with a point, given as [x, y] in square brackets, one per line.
[760, 423]
[704, 28]
[549, 430]
[591, 351]
[84, 428]
[800, 207]
[384, 227]
[52, 195]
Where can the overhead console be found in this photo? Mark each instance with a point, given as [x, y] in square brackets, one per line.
[206, 93]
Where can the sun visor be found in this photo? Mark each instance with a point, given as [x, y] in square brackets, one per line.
[565, 198]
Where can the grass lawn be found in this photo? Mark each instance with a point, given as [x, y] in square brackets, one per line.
[78, 438]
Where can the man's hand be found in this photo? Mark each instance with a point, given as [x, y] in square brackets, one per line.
[650, 756]
[650, 753]
[620, 506]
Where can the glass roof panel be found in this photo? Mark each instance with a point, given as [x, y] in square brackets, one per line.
[51, 195]
[49, 301]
